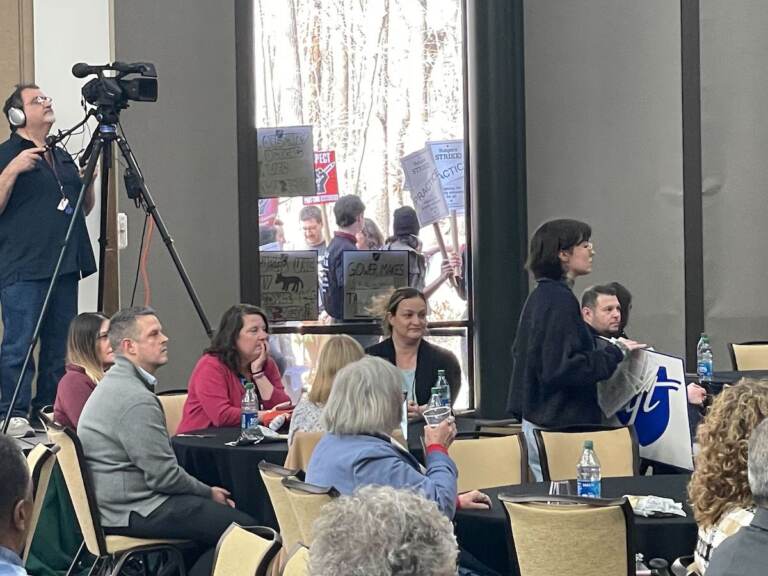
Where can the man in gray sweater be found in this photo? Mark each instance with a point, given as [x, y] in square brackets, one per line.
[140, 487]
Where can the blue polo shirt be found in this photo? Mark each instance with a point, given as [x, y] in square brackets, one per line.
[32, 229]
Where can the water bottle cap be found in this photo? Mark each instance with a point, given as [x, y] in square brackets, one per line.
[441, 372]
[588, 445]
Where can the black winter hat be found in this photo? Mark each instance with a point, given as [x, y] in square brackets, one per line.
[406, 222]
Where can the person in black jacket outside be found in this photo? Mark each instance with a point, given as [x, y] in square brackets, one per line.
[556, 365]
[405, 322]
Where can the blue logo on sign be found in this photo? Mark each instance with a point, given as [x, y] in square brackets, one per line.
[650, 412]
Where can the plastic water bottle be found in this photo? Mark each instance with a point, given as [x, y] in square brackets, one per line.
[249, 413]
[435, 400]
[443, 389]
[588, 473]
[704, 359]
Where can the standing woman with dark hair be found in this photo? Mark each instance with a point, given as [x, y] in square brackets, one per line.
[556, 366]
[405, 324]
[238, 354]
[89, 354]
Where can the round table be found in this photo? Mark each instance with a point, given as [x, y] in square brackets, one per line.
[487, 534]
[205, 455]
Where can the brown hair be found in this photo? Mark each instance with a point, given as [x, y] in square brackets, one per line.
[82, 344]
[338, 352]
[224, 343]
[400, 294]
[719, 481]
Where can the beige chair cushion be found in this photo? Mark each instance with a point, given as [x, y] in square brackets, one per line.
[243, 553]
[307, 509]
[173, 408]
[286, 517]
[301, 449]
[576, 540]
[40, 461]
[614, 449]
[750, 356]
[487, 462]
[298, 563]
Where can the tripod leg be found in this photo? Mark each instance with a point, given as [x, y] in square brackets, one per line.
[151, 209]
[106, 165]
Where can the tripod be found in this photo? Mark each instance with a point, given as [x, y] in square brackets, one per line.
[100, 146]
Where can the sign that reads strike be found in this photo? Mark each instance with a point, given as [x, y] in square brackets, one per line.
[326, 179]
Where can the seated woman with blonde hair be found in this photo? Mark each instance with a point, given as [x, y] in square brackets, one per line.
[719, 489]
[338, 352]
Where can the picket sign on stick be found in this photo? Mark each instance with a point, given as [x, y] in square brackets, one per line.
[443, 251]
[454, 231]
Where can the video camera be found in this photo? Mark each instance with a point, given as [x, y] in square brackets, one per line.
[114, 91]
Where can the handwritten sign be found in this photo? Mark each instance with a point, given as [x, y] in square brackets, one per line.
[326, 179]
[286, 162]
[448, 159]
[370, 275]
[289, 285]
[424, 184]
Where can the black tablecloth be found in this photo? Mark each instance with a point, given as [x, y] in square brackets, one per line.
[486, 533]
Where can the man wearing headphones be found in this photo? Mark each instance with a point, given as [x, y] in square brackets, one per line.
[38, 193]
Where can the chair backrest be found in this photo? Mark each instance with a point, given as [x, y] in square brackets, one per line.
[300, 450]
[245, 551]
[46, 416]
[173, 408]
[749, 355]
[77, 478]
[298, 562]
[273, 475]
[570, 535]
[41, 460]
[507, 426]
[307, 500]
[488, 461]
[560, 450]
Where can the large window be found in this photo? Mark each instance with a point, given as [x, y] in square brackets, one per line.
[376, 81]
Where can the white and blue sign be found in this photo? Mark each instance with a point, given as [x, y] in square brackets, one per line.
[660, 413]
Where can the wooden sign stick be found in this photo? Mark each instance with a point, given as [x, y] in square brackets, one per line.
[443, 251]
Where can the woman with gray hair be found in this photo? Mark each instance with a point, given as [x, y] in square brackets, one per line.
[381, 531]
[365, 406]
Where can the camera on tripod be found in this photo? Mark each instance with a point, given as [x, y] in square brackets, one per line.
[114, 91]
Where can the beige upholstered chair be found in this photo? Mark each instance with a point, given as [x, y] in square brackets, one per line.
[298, 562]
[245, 551]
[111, 551]
[570, 535]
[749, 355]
[307, 500]
[300, 450]
[173, 408]
[560, 450]
[488, 461]
[272, 475]
[41, 460]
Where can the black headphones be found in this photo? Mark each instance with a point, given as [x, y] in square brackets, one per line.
[15, 114]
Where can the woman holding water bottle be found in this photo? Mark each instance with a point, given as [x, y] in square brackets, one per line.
[238, 355]
[405, 323]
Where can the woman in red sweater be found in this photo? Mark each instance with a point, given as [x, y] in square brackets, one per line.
[88, 356]
[239, 353]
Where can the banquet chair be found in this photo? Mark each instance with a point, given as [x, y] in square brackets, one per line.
[489, 460]
[301, 448]
[571, 535]
[272, 475]
[307, 500]
[298, 562]
[111, 551]
[506, 426]
[748, 355]
[245, 551]
[173, 408]
[560, 450]
[40, 460]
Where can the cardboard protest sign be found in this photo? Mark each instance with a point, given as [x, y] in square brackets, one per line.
[326, 179]
[448, 159]
[424, 185]
[286, 161]
[660, 413]
[289, 285]
[370, 275]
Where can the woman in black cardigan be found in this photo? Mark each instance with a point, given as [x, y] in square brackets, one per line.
[405, 322]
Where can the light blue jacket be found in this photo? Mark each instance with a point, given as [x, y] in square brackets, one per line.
[349, 462]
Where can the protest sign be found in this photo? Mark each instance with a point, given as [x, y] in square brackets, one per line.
[370, 275]
[267, 211]
[289, 285]
[424, 185]
[326, 179]
[286, 161]
[660, 412]
[448, 160]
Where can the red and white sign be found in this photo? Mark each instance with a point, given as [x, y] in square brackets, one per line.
[267, 211]
[326, 179]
